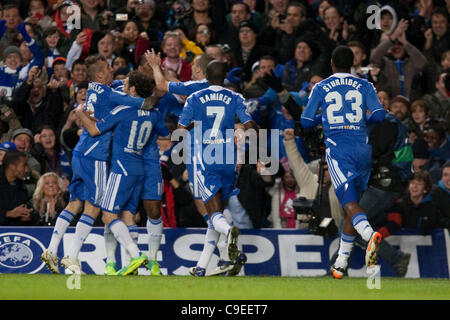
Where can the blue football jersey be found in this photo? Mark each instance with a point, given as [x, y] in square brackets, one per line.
[188, 87]
[344, 101]
[214, 109]
[101, 99]
[134, 131]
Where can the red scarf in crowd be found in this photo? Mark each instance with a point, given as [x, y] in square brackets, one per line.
[168, 211]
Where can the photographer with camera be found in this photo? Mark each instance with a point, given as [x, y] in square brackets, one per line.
[15, 209]
[309, 183]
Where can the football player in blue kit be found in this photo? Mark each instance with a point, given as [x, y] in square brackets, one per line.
[199, 82]
[213, 111]
[344, 101]
[89, 163]
[135, 131]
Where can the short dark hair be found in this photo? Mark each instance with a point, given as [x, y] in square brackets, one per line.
[202, 61]
[425, 177]
[299, 5]
[11, 6]
[12, 157]
[216, 71]
[357, 44]
[342, 57]
[440, 10]
[77, 62]
[141, 82]
[268, 57]
[60, 61]
[51, 30]
[247, 8]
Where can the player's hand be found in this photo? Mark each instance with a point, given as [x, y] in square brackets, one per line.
[289, 134]
[153, 59]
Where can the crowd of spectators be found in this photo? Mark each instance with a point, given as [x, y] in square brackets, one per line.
[276, 51]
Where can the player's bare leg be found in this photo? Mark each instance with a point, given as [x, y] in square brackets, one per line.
[154, 231]
[63, 221]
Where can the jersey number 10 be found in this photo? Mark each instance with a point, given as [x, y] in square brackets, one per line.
[352, 96]
[144, 133]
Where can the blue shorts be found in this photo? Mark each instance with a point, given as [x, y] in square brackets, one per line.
[122, 193]
[88, 180]
[349, 162]
[153, 181]
[216, 178]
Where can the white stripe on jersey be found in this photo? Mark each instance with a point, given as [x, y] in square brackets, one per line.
[337, 177]
[122, 167]
[119, 108]
[91, 148]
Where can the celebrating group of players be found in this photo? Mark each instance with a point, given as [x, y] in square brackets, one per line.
[111, 180]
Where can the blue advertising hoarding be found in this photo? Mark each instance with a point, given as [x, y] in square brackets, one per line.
[269, 251]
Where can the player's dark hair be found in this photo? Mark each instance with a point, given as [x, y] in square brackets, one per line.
[342, 58]
[141, 82]
[202, 61]
[12, 157]
[93, 65]
[216, 72]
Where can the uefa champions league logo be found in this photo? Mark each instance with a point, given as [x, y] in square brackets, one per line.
[20, 253]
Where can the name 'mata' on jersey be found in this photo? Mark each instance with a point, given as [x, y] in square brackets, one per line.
[101, 99]
[344, 100]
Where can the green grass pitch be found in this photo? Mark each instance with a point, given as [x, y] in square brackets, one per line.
[43, 287]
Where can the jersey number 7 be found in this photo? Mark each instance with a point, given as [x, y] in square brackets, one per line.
[218, 112]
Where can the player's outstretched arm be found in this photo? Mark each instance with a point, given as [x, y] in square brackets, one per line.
[154, 60]
[88, 122]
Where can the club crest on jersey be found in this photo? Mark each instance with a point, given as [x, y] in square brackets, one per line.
[20, 253]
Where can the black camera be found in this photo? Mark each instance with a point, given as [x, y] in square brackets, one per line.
[281, 17]
[313, 138]
[307, 212]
